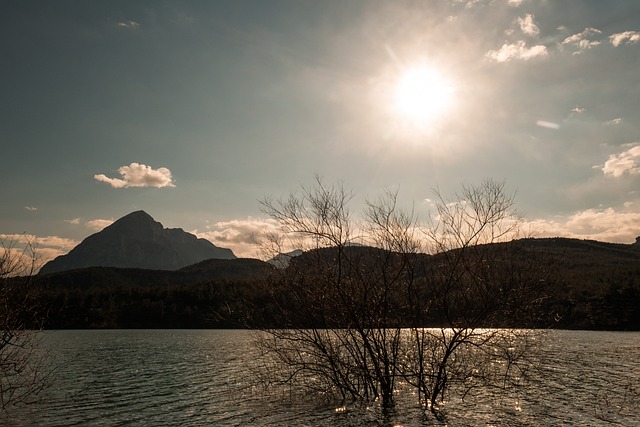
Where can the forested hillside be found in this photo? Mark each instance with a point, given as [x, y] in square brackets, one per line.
[592, 285]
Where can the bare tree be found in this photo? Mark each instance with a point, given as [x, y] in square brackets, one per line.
[351, 314]
[343, 293]
[474, 281]
[21, 366]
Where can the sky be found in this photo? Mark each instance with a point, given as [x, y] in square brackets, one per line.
[194, 111]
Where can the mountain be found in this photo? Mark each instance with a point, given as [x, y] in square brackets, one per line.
[138, 241]
[282, 259]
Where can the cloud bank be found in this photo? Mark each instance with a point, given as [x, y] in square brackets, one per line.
[242, 236]
[44, 248]
[605, 225]
[139, 175]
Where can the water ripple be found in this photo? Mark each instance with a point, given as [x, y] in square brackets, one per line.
[203, 378]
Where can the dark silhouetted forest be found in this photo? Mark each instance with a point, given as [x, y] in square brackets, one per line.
[592, 285]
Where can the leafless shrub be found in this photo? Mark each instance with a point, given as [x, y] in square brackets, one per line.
[357, 320]
[22, 375]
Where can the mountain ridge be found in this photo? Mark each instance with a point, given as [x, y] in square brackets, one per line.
[592, 285]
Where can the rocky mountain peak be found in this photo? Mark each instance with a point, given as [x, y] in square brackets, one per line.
[138, 241]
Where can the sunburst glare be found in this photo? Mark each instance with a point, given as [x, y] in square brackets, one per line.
[421, 95]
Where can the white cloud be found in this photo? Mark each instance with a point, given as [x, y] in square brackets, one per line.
[626, 162]
[517, 50]
[74, 221]
[129, 25]
[31, 208]
[514, 2]
[98, 224]
[528, 25]
[628, 37]
[605, 225]
[583, 40]
[139, 175]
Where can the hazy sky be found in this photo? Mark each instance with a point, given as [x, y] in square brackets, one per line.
[195, 110]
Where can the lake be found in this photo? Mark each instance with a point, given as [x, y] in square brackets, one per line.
[205, 378]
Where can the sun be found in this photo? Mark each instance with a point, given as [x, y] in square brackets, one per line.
[421, 95]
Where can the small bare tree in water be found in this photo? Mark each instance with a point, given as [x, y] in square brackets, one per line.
[478, 282]
[344, 295]
[350, 315]
[21, 368]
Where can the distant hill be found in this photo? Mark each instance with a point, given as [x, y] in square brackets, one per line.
[138, 241]
[590, 285]
[211, 270]
[208, 294]
[225, 269]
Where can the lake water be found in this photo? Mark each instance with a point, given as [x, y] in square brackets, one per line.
[205, 378]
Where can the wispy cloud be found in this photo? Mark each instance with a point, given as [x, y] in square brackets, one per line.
[528, 25]
[17, 238]
[548, 125]
[62, 243]
[613, 122]
[583, 40]
[139, 175]
[48, 241]
[128, 24]
[94, 224]
[517, 50]
[514, 2]
[31, 208]
[56, 242]
[627, 162]
[628, 37]
[468, 4]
